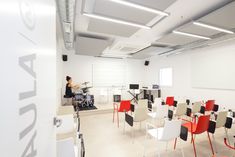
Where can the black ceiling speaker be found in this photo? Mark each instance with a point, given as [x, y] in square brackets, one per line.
[65, 58]
[146, 63]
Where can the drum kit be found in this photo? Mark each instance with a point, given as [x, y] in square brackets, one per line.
[83, 96]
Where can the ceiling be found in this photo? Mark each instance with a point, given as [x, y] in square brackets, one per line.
[96, 37]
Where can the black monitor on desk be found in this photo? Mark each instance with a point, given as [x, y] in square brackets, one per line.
[155, 86]
[134, 86]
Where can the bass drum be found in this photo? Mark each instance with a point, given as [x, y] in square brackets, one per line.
[79, 97]
[89, 99]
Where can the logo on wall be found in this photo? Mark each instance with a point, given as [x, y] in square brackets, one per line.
[27, 14]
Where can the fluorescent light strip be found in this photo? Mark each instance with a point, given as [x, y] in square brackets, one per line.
[191, 35]
[115, 20]
[140, 7]
[115, 55]
[213, 27]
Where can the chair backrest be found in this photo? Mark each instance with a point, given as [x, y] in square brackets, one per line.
[175, 103]
[140, 114]
[157, 102]
[221, 119]
[143, 103]
[203, 124]
[170, 101]
[171, 130]
[187, 101]
[209, 105]
[181, 109]
[162, 112]
[125, 106]
[116, 98]
[65, 148]
[196, 107]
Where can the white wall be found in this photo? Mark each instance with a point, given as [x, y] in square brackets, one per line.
[182, 85]
[80, 69]
[28, 74]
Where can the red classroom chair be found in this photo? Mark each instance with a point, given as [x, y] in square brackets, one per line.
[210, 105]
[170, 101]
[198, 128]
[125, 106]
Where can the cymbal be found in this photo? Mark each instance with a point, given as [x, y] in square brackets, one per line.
[86, 87]
[85, 83]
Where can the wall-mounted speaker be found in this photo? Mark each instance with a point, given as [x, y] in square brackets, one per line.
[65, 58]
[146, 63]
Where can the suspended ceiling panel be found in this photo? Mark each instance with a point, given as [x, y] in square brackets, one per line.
[157, 4]
[175, 39]
[111, 28]
[224, 17]
[141, 56]
[150, 51]
[114, 10]
[90, 46]
[128, 47]
[154, 50]
[194, 29]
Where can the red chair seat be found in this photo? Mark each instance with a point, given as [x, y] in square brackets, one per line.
[191, 127]
[125, 106]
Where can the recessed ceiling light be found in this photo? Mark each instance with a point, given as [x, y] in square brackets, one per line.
[137, 6]
[213, 27]
[191, 35]
[95, 16]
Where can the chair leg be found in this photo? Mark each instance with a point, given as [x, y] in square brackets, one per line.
[133, 134]
[214, 143]
[175, 143]
[191, 137]
[195, 137]
[226, 133]
[194, 148]
[210, 143]
[113, 115]
[124, 125]
[117, 119]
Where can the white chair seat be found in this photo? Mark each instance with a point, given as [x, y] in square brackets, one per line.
[156, 133]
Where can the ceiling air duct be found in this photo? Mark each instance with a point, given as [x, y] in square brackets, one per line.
[66, 10]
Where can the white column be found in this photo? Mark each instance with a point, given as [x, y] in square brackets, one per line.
[28, 78]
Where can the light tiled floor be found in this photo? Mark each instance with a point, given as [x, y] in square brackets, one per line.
[104, 139]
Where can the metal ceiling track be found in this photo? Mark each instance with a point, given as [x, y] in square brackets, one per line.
[66, 10]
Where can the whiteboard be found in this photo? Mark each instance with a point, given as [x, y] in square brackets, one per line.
[214, 68]
[108, 74]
